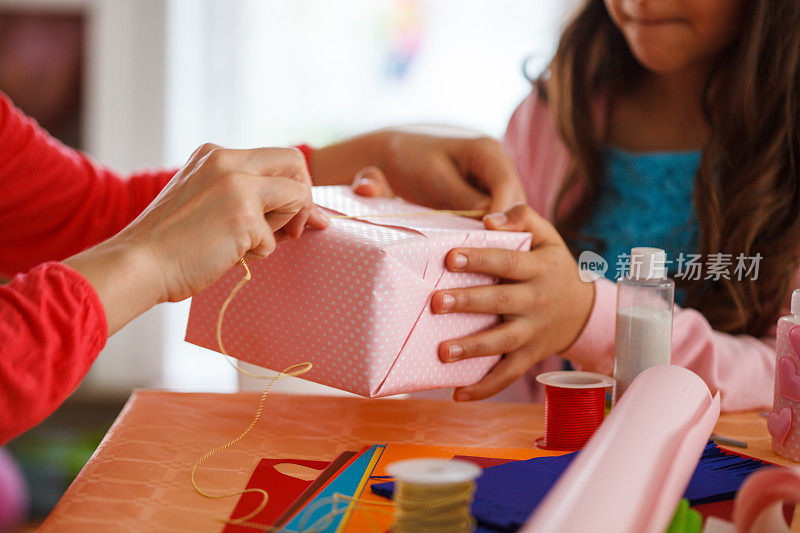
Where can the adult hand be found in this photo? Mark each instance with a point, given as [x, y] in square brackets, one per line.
[542, 300]
[439, 172]
[223, 205]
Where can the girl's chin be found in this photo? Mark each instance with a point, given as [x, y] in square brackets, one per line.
[661, 61]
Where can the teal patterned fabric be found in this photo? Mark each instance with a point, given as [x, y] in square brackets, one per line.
[645, 199]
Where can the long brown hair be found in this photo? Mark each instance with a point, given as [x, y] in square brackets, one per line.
[747, 188]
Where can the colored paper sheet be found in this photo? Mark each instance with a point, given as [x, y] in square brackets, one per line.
[349, 483]
[685, 520]
[508, 493]
[483, 462]
[363, 519]
[332, 470]
[281, 487]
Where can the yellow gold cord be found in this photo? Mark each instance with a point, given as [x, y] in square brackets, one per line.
[294, 370]
[417, 508]
[473, 213]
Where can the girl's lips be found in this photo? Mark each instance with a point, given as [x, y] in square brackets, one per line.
[656, 22]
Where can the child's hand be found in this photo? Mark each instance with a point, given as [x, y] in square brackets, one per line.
[438, 172]
[543, 302]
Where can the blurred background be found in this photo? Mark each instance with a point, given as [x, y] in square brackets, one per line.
[140, 83]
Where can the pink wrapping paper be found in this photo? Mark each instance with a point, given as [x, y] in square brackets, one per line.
[631, 475]
[354, 299]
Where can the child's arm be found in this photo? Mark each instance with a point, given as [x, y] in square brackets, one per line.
[466, 172]
[548, 310]
[741, 367]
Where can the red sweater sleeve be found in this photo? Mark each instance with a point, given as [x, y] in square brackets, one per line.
[52, 326]
[55, 201]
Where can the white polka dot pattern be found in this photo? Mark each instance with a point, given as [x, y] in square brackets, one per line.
[790, 447]
[354, 300]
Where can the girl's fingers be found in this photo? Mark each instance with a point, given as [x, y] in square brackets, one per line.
[506, 264]
[370, 181]
[491, 299]
[503, 338]
[524, 218]
[507, 370]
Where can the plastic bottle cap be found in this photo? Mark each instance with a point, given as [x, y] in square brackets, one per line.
[648, 263]
[796, 302]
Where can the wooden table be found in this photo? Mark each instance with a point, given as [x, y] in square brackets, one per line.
[138, 479]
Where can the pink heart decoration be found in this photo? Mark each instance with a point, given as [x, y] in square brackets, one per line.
[778, 424]
[788, 380]
[794, 339]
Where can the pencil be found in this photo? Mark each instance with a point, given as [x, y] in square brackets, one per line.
[727, 441]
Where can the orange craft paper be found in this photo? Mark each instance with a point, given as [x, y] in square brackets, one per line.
[138, 478]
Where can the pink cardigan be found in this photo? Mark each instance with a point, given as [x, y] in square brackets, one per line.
[740, 367]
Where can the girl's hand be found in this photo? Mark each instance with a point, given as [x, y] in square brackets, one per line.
[543, 302]
[221, 206]
[439, 172]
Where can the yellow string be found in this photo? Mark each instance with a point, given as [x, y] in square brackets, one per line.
[294, 370]
[419, 508]
[474, 213]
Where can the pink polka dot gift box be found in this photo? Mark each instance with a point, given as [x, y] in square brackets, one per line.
[355, 299]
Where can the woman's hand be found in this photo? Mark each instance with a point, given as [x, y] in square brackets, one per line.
[543, 302]
[439, 172]
[223, 205]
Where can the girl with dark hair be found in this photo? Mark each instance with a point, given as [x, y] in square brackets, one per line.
[667, 123]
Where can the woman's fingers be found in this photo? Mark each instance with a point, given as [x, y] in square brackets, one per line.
[450, 189]
[318, 219]
[503, 338]
[371, 181]
[287, 162]
[295, 226]
[266, 245]
[283, 199]
[506, 264]
[507, 370]
[203, 150]
[492, 299]
[268, 163]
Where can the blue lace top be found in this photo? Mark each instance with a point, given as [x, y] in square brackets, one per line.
[645, 199]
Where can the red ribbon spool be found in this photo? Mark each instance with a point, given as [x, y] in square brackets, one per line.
[574, 407]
